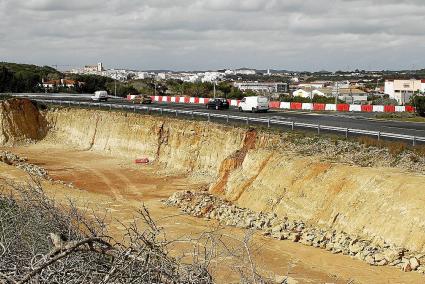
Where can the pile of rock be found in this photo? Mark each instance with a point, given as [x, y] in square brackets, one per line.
[201, 204]
[22, 163]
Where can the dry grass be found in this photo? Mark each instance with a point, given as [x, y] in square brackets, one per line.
[402, 116]
[395, 148]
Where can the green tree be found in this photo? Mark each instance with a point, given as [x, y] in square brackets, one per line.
[419, 103]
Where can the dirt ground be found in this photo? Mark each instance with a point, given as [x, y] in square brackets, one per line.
[119, 187]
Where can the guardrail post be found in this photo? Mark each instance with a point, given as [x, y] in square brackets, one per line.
[192, 114]
[247, 120]
[134, 108]
[292, 126]
[60, 103]
[209, 117]
[318, 129]
[110, 106]
[149, 110]
[161, 111]
[379, 135]
[176, 113]
[268, 123]
[69, 104]
[346, 133]
[414, 141]
[227, 118]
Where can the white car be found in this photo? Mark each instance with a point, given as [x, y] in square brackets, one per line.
[100, 96]
[254, 104]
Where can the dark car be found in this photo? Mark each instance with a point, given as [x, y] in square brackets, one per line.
[218, 103]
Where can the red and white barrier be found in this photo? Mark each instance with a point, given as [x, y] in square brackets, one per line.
[285, 105]
[307, 106]
[331, 107]
[355, 108]
[291, 105]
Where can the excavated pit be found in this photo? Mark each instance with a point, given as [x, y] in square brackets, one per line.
[382, 202]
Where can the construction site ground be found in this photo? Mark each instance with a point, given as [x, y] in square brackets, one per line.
[119, 187]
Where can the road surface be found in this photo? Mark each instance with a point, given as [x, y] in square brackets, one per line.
[364, 121]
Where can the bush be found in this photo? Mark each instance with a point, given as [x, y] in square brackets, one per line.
[43, 243]
[5, 97]
[419, 103]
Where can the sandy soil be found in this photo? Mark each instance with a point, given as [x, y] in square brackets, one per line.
[119, 187]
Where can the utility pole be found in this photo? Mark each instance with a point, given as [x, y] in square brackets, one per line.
[337, 92]
[214, 88]
[154, 86]
[116, 78]
[413, 88]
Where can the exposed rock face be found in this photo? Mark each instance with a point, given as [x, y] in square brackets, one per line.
[20, 122]
[324, 183]
[211, 207]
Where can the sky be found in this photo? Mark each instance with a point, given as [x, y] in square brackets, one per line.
[299, 35]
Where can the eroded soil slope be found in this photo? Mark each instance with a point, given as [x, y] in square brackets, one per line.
[20, 121]
[262, 171]
[366, 192]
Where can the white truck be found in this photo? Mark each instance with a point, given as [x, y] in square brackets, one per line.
[254, 104]
[100, 96]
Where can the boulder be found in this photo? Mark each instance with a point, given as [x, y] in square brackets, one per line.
[406, 267]
[414, 263]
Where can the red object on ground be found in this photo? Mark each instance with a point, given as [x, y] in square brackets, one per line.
[296, 105]
[318, 106]
[142, 161]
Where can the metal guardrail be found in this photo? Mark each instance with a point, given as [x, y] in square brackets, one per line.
[246, 119]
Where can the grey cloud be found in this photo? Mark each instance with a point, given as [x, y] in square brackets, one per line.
[204, 34]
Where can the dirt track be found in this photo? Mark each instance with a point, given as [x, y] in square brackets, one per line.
[119, 187]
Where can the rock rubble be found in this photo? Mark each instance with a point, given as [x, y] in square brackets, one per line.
[22, 163]
[201, 204]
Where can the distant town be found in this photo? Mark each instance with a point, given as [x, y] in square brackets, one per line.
[355, 87]
[358, 87]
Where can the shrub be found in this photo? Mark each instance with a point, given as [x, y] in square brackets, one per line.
[4, 97]
[419, 103]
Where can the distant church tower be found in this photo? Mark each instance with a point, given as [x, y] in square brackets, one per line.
[99, 67]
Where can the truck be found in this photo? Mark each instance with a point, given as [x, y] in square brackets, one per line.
[100, 96]
[254, 104]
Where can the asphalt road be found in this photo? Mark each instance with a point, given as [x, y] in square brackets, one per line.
[363, 121]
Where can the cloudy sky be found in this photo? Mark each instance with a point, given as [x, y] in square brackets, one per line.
[213, 34]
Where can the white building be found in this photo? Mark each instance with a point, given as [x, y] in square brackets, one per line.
[143, 75]
[245, 72]
[324, 92]
[212, 76]
[314, 85]
[94, 68]
[403, 90]
[266, 87]
[302, 93]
